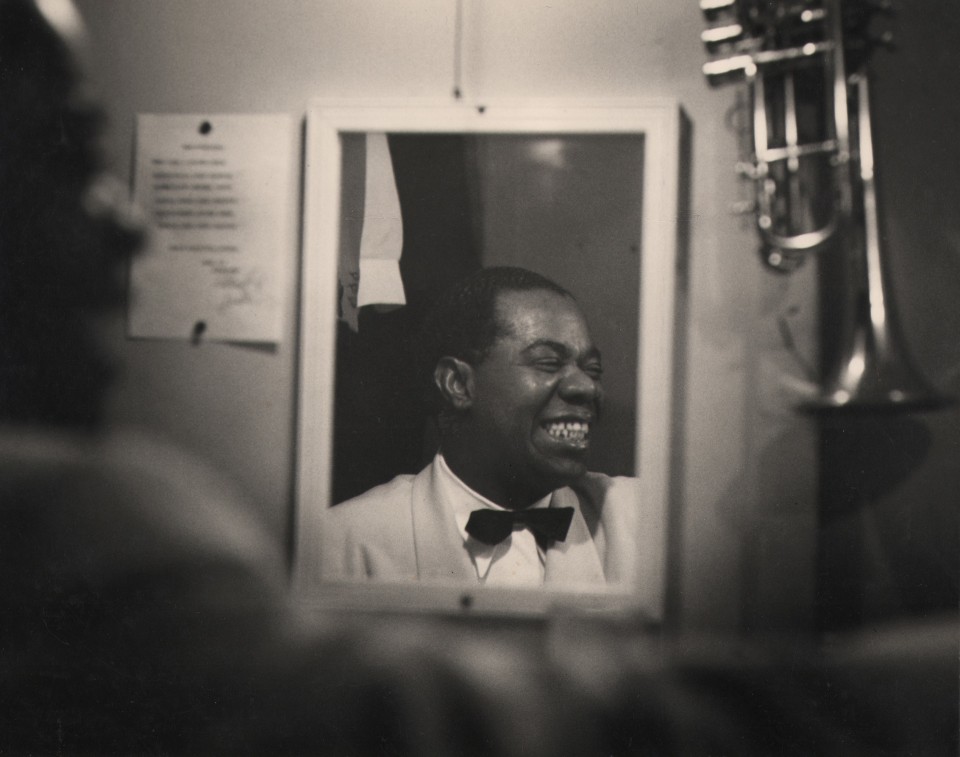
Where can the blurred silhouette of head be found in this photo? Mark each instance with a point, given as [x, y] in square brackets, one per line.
[63, 242]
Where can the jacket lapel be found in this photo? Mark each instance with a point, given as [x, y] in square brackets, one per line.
[440, 555]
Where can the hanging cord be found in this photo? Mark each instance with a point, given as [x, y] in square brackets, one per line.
[458, 49]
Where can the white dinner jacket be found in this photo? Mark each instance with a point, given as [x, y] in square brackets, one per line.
[404, 531]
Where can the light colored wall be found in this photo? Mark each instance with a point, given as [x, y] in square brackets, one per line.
[746, 521]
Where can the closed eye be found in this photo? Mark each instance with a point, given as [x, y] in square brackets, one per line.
[593, 370]
[550, 365]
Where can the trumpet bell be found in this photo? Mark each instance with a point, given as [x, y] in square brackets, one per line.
[873, 372]
[874, 376]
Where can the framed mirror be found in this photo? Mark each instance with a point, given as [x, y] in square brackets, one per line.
[585, 193]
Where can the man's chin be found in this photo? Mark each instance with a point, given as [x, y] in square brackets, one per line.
[563, 472]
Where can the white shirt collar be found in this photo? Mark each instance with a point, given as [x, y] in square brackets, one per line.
[463, 500]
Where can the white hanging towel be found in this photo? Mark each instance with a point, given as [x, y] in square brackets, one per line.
[382, 239]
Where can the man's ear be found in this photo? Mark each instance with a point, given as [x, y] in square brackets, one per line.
[454, 378]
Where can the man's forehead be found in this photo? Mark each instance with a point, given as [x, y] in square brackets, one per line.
[540, 314]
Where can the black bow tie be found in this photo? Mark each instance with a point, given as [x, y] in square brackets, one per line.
[547, 524]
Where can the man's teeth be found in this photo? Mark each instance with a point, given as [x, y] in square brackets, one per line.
[569, 430]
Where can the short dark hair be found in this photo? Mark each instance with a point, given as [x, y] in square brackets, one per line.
[463, 323]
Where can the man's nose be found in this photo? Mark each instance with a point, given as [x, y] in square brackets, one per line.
[579, 386]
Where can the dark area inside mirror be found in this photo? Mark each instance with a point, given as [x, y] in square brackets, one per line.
[566, 206]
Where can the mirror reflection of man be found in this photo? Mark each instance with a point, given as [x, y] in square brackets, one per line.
[508, 499]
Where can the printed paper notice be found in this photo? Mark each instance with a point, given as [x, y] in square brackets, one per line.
[220, 195]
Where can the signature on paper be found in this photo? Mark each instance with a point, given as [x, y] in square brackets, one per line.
[241, 287]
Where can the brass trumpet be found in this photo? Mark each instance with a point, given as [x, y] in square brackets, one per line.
[812, 165]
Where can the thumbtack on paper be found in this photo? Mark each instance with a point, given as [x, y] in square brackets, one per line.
[198, 328]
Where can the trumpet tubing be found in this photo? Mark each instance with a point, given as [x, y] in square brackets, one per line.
[804, 64]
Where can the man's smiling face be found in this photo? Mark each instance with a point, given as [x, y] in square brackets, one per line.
[536, 395]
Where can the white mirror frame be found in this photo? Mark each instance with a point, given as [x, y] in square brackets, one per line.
[660, 123]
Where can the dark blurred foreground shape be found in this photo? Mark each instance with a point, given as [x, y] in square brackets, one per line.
[143, 610]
